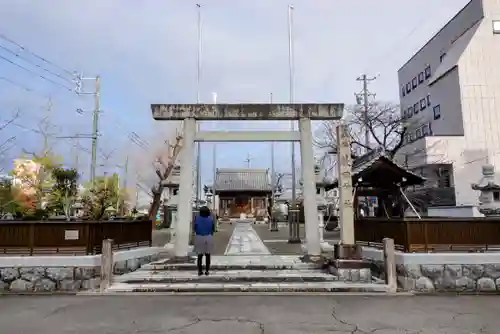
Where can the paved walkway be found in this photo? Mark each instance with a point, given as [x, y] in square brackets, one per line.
[249, 314]
[245, 241]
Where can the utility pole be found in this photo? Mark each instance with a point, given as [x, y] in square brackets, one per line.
[95, 127]
[95, 119]
[362, 99]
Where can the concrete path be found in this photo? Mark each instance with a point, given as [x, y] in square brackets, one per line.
[249, 314]
[245, 241]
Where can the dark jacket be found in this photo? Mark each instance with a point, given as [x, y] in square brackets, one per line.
[204, 226]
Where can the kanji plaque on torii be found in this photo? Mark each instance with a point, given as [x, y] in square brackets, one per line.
[215, 112]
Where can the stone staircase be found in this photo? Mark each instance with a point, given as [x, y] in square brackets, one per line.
[242, 273]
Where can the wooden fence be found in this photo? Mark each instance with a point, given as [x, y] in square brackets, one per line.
[71, 237]
[431, 234]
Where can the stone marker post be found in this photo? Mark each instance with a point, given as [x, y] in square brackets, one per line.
[390, 265]
[347, 247]
[106, 264]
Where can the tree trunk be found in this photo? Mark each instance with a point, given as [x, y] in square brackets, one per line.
[155, 205]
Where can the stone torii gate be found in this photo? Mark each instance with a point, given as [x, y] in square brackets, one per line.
[304, 113]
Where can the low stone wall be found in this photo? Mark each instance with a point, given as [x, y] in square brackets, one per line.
[361, 275]
[441, 272]
[66, 273]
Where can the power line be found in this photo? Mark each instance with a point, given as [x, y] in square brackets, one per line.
[16, 84]
[36, 65]
[35, 55]
[37, 74]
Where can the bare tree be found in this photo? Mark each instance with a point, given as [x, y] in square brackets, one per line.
[164, 166]
[45, 158]
[384, 122]
[6, 144]
[278, 184]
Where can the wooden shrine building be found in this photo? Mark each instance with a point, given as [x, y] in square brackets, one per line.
[379, 183]
[242, 191]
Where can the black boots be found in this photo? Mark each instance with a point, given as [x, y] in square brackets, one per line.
[199, 263]
[207, 264]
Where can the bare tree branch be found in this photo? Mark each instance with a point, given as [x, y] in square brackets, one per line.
[384, 122]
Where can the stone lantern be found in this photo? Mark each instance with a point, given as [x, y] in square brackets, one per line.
[489, 198]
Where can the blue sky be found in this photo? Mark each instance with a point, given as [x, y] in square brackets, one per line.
[145, 52]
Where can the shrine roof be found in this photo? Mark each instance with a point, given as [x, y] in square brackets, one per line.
[377, 169]
[243, 179]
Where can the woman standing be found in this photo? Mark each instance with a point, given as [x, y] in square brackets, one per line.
[204, 228]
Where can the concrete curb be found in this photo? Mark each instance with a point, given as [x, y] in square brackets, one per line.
[380, 294]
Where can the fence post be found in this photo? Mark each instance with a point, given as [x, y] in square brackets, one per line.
[106, 264]
[390, 265]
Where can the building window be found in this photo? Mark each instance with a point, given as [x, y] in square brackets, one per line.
[408, 88]
[414, 83]
[428, 100]
[415, 108]
[444, 176]
[404, 113]
[425, 130]
[496, 27]
[318, 191]
[403, 90]
[410, 111]
[427, 71]
[418, 133]
[423, 104]
[421, 77]
[437, 111]
[442, 57]
[496, 196]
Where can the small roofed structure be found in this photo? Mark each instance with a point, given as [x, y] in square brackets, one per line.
[376, 175]
[242, 191]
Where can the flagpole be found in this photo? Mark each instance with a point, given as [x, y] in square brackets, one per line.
[293, 237]
[215, 208]
[198, 144]
[272, 161]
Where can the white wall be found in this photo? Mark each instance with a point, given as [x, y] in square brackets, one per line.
[454, 211]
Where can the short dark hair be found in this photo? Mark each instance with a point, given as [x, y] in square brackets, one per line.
[204, 211]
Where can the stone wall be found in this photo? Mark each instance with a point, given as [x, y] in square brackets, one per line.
[49, 279]
[442, 272]
[449, 277]
[55, 277]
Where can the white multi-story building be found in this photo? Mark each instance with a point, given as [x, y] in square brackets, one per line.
[450, 97]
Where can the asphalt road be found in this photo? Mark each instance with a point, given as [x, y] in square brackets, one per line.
[249, 314]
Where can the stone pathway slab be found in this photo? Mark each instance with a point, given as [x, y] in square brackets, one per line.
[286, 275]
[245, 240]
[249, 287]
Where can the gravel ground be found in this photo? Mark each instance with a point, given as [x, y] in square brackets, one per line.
[221, 238]
[277, 242]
